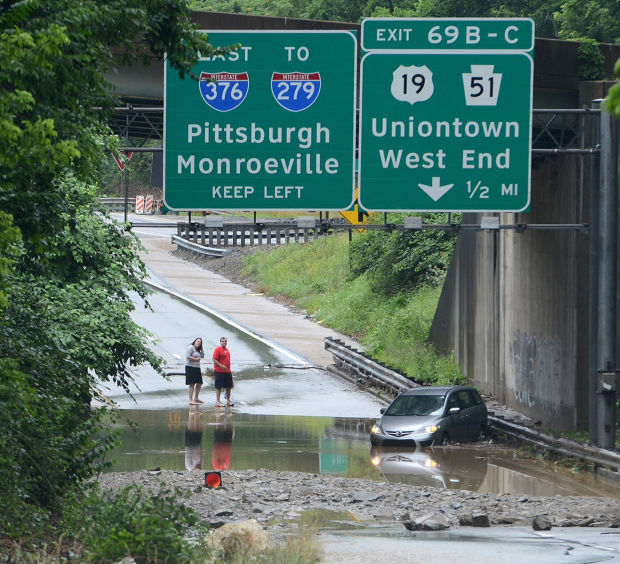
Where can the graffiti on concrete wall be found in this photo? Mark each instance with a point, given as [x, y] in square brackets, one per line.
[538, 378]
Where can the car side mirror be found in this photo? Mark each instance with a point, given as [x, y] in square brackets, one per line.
[454, 410]
[382, 410]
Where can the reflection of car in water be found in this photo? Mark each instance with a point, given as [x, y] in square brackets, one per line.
[449, 468]
[432, 415]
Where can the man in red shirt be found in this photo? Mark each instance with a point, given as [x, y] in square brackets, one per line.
[222, 374]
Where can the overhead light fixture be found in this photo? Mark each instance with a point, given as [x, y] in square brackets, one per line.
[489, 222]
[413, 222]
[305, 222]
[214, 223]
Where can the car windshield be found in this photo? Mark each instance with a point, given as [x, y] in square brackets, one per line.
[416, 405]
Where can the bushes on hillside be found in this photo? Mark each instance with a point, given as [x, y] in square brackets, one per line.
[402, 261]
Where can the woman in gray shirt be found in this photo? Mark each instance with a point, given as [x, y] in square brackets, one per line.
[193, 374]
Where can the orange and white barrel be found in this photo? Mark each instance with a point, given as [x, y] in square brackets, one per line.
[139, 204]
[148, 205]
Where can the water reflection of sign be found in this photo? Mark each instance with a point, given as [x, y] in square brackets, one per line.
[332, 459]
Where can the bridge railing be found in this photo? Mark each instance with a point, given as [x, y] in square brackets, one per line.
[241, 234]
[117, 205]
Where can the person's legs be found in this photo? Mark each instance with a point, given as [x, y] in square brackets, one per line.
[198, 386]
[228, 396]
[191, 393]
[218, 392]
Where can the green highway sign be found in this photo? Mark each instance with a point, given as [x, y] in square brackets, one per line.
[445, 130]
[494, 34]
[270, 126]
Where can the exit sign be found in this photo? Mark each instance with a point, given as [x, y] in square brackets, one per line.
[446, 114]
[495, 34]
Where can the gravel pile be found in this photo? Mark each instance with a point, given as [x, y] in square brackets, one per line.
[278, 500]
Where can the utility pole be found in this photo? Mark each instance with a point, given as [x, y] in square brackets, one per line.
[125, 172]
[595, 185]
[607, 282]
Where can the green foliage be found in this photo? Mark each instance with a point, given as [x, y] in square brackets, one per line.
[10, 237]
[274, 8]
[131, 522]
[598, 20]
[334, 10]
[563, 19]
[67, 272]
[394, 328]
[47, 444]
[612, 103]
[138, 168]
[400, 261]
[591, 60]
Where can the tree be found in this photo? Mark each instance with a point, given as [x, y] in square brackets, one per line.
[564, 19]
[613, 97]
[274, 8]
[598, 20]
[401, 261]
[67, 271]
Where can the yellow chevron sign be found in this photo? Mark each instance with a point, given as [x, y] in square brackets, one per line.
[357, 215]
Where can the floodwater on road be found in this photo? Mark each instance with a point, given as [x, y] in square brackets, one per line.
[292, 417]
[182, 439]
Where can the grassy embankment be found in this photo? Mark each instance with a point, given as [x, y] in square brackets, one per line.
[392, 329]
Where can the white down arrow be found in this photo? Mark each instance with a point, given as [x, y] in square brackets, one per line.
[436, 190]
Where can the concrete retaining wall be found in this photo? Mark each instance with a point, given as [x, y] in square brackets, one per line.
[515, 305]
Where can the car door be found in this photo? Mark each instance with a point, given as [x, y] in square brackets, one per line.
[457, 421]
[470, 430]
[479, 413]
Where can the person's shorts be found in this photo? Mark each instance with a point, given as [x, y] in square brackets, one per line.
[223, 380]
[193, 375]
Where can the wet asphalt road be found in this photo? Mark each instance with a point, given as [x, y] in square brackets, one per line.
[497, 544]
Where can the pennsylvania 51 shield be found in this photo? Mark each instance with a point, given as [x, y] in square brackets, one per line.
[295, 91]
[224, 91]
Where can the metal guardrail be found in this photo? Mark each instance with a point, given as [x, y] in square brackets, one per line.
[162, 224]
[559, 446]
[210, 251]
[118, 204]
[382, 376]
[221, 233]
[364, 369]
[241, 234]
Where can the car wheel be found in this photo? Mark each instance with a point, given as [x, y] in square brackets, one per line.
[444, 440]
[483, 434]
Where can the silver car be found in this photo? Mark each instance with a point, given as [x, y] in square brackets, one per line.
[432, 415]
